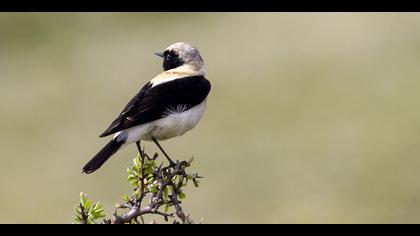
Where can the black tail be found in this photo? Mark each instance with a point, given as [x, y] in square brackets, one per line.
[103, 155]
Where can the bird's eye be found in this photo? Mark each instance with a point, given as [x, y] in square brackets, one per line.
[168, 57]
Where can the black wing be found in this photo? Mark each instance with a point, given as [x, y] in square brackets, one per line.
[151, 103]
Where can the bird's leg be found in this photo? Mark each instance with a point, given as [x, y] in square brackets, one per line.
[164, 153]
[139, 148]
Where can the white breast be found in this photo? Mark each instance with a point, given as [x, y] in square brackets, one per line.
[176, 123]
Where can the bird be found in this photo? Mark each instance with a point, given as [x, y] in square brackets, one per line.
[167, 106]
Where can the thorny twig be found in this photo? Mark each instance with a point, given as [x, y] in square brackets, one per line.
[157, 185]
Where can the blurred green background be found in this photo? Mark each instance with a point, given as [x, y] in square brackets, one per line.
[312, 117]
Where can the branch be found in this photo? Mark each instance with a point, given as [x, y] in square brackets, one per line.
[160, 185]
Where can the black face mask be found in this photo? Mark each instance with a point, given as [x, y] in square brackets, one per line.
[171, 60]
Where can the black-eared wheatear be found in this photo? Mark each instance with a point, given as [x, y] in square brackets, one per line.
[171, 104]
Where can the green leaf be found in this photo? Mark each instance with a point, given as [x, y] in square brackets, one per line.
[134, 183]
[96, 211]
[125, 198]
[181, 195]
[166, 207]
[149, 180]
[97, 215]
[97, 207]
[77, 209]
[83, 199]
[152, 163]
[136, 164]
[136, 193]
[153, 188]
[175, 178]
[78, 219]
[86, 203]
[148, 170]
[191, 160]
[185, 182]
[166, 194]
[132, 177]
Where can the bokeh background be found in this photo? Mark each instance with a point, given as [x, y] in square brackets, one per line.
[312, 117]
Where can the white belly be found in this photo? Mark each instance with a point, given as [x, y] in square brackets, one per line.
[175, 124]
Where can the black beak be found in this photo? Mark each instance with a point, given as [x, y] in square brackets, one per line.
[159, 54]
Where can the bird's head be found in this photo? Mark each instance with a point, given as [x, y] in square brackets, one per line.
[181, 54]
